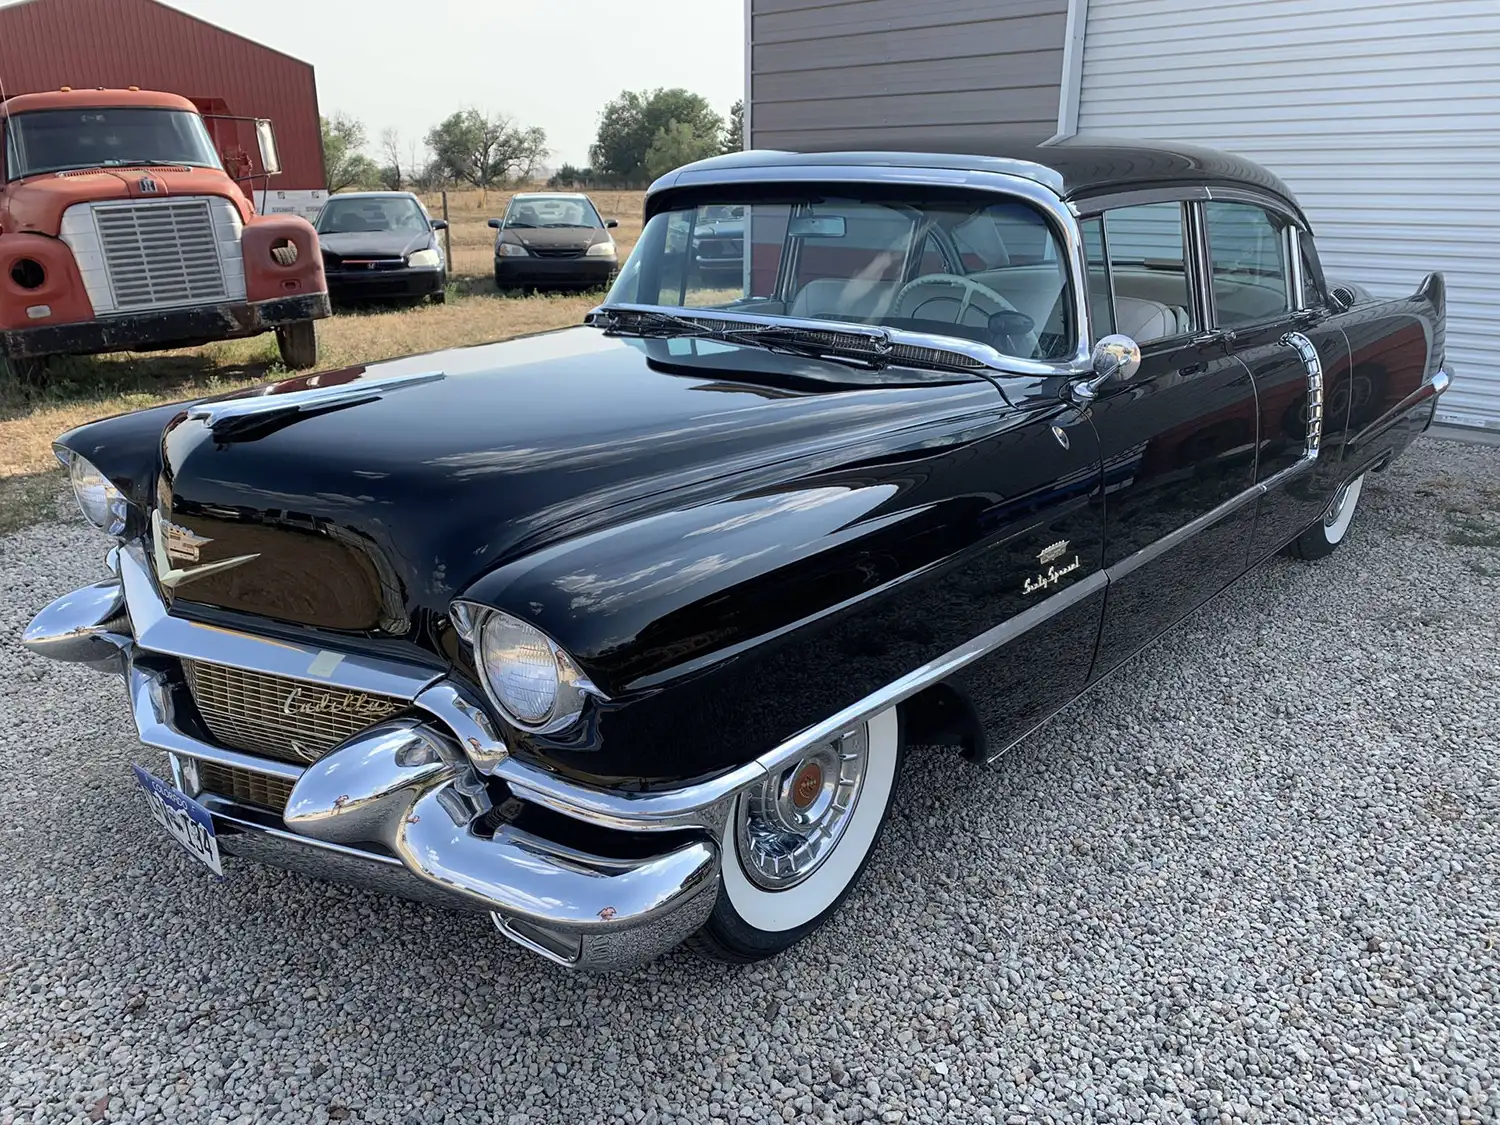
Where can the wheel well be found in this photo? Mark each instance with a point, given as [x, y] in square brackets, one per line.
[943, 715]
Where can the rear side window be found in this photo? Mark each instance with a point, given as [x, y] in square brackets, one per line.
[1247, 251]
[1101, 307]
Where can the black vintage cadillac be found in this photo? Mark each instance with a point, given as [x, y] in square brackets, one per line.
[619, 633]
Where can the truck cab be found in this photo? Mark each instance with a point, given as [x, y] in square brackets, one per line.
[121, 230]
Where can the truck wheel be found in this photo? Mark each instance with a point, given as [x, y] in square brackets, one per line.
[795, 845]
[298, 344]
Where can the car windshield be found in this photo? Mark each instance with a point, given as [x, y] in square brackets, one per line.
[988, 269]
[542, 211]
[366, 215]
[59, 140]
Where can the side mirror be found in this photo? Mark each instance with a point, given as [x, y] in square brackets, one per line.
[1116, 359]
[265, 136]
[439, 224]
[611, 223]
[494, 223]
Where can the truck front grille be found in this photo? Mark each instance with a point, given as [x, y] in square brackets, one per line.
[245, 785]
[161, 254]
[278, 717]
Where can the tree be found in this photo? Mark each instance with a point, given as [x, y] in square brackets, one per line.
[344, 162]
[568, 177]
[395, 172]
[630, 125]
[484, 150]
[676, 145]
[734, 132]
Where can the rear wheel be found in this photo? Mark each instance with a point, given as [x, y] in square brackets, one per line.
[1323, 538]
[298, 344]
[796, 844]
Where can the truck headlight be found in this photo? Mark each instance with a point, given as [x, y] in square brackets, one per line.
[600, 250]
[102, 504]
[424, 260]
[513, 250]
[535, 684]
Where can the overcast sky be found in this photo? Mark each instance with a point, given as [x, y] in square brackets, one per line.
[552, 63]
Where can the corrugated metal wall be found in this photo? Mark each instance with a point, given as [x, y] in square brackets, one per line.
[1382, 115]
[45, 44]
[821, 72]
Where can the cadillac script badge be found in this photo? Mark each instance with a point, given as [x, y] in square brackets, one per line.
[1053, 574]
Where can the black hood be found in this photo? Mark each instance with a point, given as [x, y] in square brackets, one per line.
[372, 515]
[375, 244]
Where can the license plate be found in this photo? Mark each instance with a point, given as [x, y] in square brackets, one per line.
[185, 820]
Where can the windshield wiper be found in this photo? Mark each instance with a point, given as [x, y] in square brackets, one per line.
[783, 339]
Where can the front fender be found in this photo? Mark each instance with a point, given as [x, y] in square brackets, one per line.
[61, 292]
[267, 275]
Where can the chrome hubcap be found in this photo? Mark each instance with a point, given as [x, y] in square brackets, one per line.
[1336, 509]
[790, 823]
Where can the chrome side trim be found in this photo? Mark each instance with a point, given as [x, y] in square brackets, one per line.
[1433, 388]
[1308, 354]
[157, 631]
[1174, 539]
[703, 805]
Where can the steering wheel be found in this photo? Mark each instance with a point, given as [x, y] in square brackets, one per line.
[970, 287]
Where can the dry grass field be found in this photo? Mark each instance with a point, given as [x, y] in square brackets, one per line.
[83, 388]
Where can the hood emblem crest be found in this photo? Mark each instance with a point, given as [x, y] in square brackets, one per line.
[1050, 553]
[169, 541]
[149, 186]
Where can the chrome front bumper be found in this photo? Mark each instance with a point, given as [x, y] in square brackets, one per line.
[408, 806]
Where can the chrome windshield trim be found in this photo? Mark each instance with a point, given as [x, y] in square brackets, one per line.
[1040, 195]
[158, 631]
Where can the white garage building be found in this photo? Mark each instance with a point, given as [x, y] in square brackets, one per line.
[1382, 115]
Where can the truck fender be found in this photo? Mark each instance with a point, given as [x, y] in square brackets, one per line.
[60, 292]
[268, 274]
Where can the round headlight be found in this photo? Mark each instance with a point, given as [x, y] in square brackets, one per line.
[528, 677]
[102, 503]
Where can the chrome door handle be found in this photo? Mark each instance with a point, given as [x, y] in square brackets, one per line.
[1217, 336]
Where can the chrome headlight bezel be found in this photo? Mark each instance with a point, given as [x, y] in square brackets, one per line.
[101, 503]
[490, 633]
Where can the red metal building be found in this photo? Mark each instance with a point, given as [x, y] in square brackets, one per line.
[45, 44]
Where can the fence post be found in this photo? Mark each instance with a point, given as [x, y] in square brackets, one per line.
[447, 233]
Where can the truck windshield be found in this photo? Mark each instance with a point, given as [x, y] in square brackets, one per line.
[60, 140]
[991, 270]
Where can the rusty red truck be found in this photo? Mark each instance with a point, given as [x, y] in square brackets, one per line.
[121, 230]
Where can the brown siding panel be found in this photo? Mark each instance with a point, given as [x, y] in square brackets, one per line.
[822, 70]
[45, 44]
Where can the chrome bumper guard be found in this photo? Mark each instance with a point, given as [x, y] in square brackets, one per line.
[402, 807]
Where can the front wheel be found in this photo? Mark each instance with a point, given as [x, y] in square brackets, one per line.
[795, 845]
[1323, 538]
[298, 344]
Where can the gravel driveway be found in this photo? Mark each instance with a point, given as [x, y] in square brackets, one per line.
[1254, 877]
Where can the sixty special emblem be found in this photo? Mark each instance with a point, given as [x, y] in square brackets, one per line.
[170, 541]
[1054, 574]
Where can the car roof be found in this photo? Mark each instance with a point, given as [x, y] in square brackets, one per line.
[375, 195]
[1074, 169]
[549, 195]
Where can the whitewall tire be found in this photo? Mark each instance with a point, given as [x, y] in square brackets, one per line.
[1324, 537]
[795, 846]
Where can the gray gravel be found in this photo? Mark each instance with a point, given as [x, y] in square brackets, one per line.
[1255, 877]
